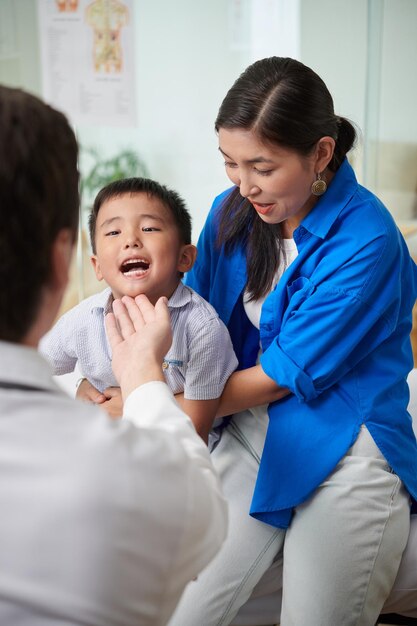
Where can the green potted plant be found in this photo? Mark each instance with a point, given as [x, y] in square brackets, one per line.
[102, 171]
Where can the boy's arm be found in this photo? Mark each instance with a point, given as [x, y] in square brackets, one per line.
[211, 362]
[57, 345]
[201, 412]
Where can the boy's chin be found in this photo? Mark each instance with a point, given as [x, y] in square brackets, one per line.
[132, 293]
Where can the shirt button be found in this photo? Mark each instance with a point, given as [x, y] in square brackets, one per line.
[165, 365]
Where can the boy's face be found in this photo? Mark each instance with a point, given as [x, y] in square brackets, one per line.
[138, 247]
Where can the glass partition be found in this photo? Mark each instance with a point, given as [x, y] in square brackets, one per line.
[390, 154]
[390, 147]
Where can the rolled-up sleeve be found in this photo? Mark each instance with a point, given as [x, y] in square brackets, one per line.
[328, 327]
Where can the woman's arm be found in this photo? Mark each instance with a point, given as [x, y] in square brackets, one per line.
[248, 388]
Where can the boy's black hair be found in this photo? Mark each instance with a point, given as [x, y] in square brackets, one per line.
[169, 198]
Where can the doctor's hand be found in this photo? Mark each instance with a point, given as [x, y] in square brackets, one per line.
[140, 335]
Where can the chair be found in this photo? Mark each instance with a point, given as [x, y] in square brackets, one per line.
[394, 620]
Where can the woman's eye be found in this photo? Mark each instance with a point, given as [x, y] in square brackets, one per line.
[229, 164]
[263, 172]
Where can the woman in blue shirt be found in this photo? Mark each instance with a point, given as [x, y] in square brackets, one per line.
[308, 269]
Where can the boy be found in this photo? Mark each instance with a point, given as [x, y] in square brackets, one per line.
[140, 235]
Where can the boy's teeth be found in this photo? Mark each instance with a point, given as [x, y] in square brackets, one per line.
[134, 272]
[135, 266]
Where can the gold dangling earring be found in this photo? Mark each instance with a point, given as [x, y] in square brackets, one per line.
[319, 187]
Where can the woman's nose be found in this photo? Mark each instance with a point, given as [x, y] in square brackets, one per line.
[247, 188]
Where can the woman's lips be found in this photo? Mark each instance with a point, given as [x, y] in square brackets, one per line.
[263, 209]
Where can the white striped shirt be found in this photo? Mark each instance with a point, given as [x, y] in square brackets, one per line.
[198, 363]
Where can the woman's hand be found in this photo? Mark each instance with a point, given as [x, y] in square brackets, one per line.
[248, 388]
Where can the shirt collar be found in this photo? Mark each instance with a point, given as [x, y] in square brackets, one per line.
[325, 212]
[180, 297]
[103, 301]
[24, 365]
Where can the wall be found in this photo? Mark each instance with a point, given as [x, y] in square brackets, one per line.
[366, 53]
[20, 64]
[334, 43]
[184, 65]
[188, 53]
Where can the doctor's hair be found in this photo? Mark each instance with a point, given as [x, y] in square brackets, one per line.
[285, 104]
[169, 198]
[39, 197]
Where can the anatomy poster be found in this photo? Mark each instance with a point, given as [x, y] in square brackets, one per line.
[87, 54]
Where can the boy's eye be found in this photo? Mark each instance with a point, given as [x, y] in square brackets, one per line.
[112, 233]
[149, 229]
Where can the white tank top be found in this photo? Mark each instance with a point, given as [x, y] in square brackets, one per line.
[253, 308]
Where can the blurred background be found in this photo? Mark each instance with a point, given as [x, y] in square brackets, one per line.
[141, 82]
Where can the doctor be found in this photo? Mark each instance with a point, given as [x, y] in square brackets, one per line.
[101, 522]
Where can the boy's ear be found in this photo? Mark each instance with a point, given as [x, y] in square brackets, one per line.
[96, 266]
[187, 257]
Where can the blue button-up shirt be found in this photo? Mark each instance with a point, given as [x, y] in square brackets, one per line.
[335, 331]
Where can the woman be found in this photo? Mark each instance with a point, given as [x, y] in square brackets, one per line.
[302, 257]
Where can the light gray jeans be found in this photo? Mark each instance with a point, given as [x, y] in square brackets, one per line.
[264, 605]
[341, 553]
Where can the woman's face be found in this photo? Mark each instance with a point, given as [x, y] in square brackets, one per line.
[277, 181]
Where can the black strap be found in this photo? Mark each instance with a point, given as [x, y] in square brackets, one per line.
[19, 386]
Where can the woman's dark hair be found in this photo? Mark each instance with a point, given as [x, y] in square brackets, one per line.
[284, 103]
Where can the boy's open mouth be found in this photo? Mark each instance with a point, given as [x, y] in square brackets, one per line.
[134, 267]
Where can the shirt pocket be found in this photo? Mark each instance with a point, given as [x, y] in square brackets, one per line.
[298, 291]
[174, 371]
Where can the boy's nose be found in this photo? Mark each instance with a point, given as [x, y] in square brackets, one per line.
[133, 242]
